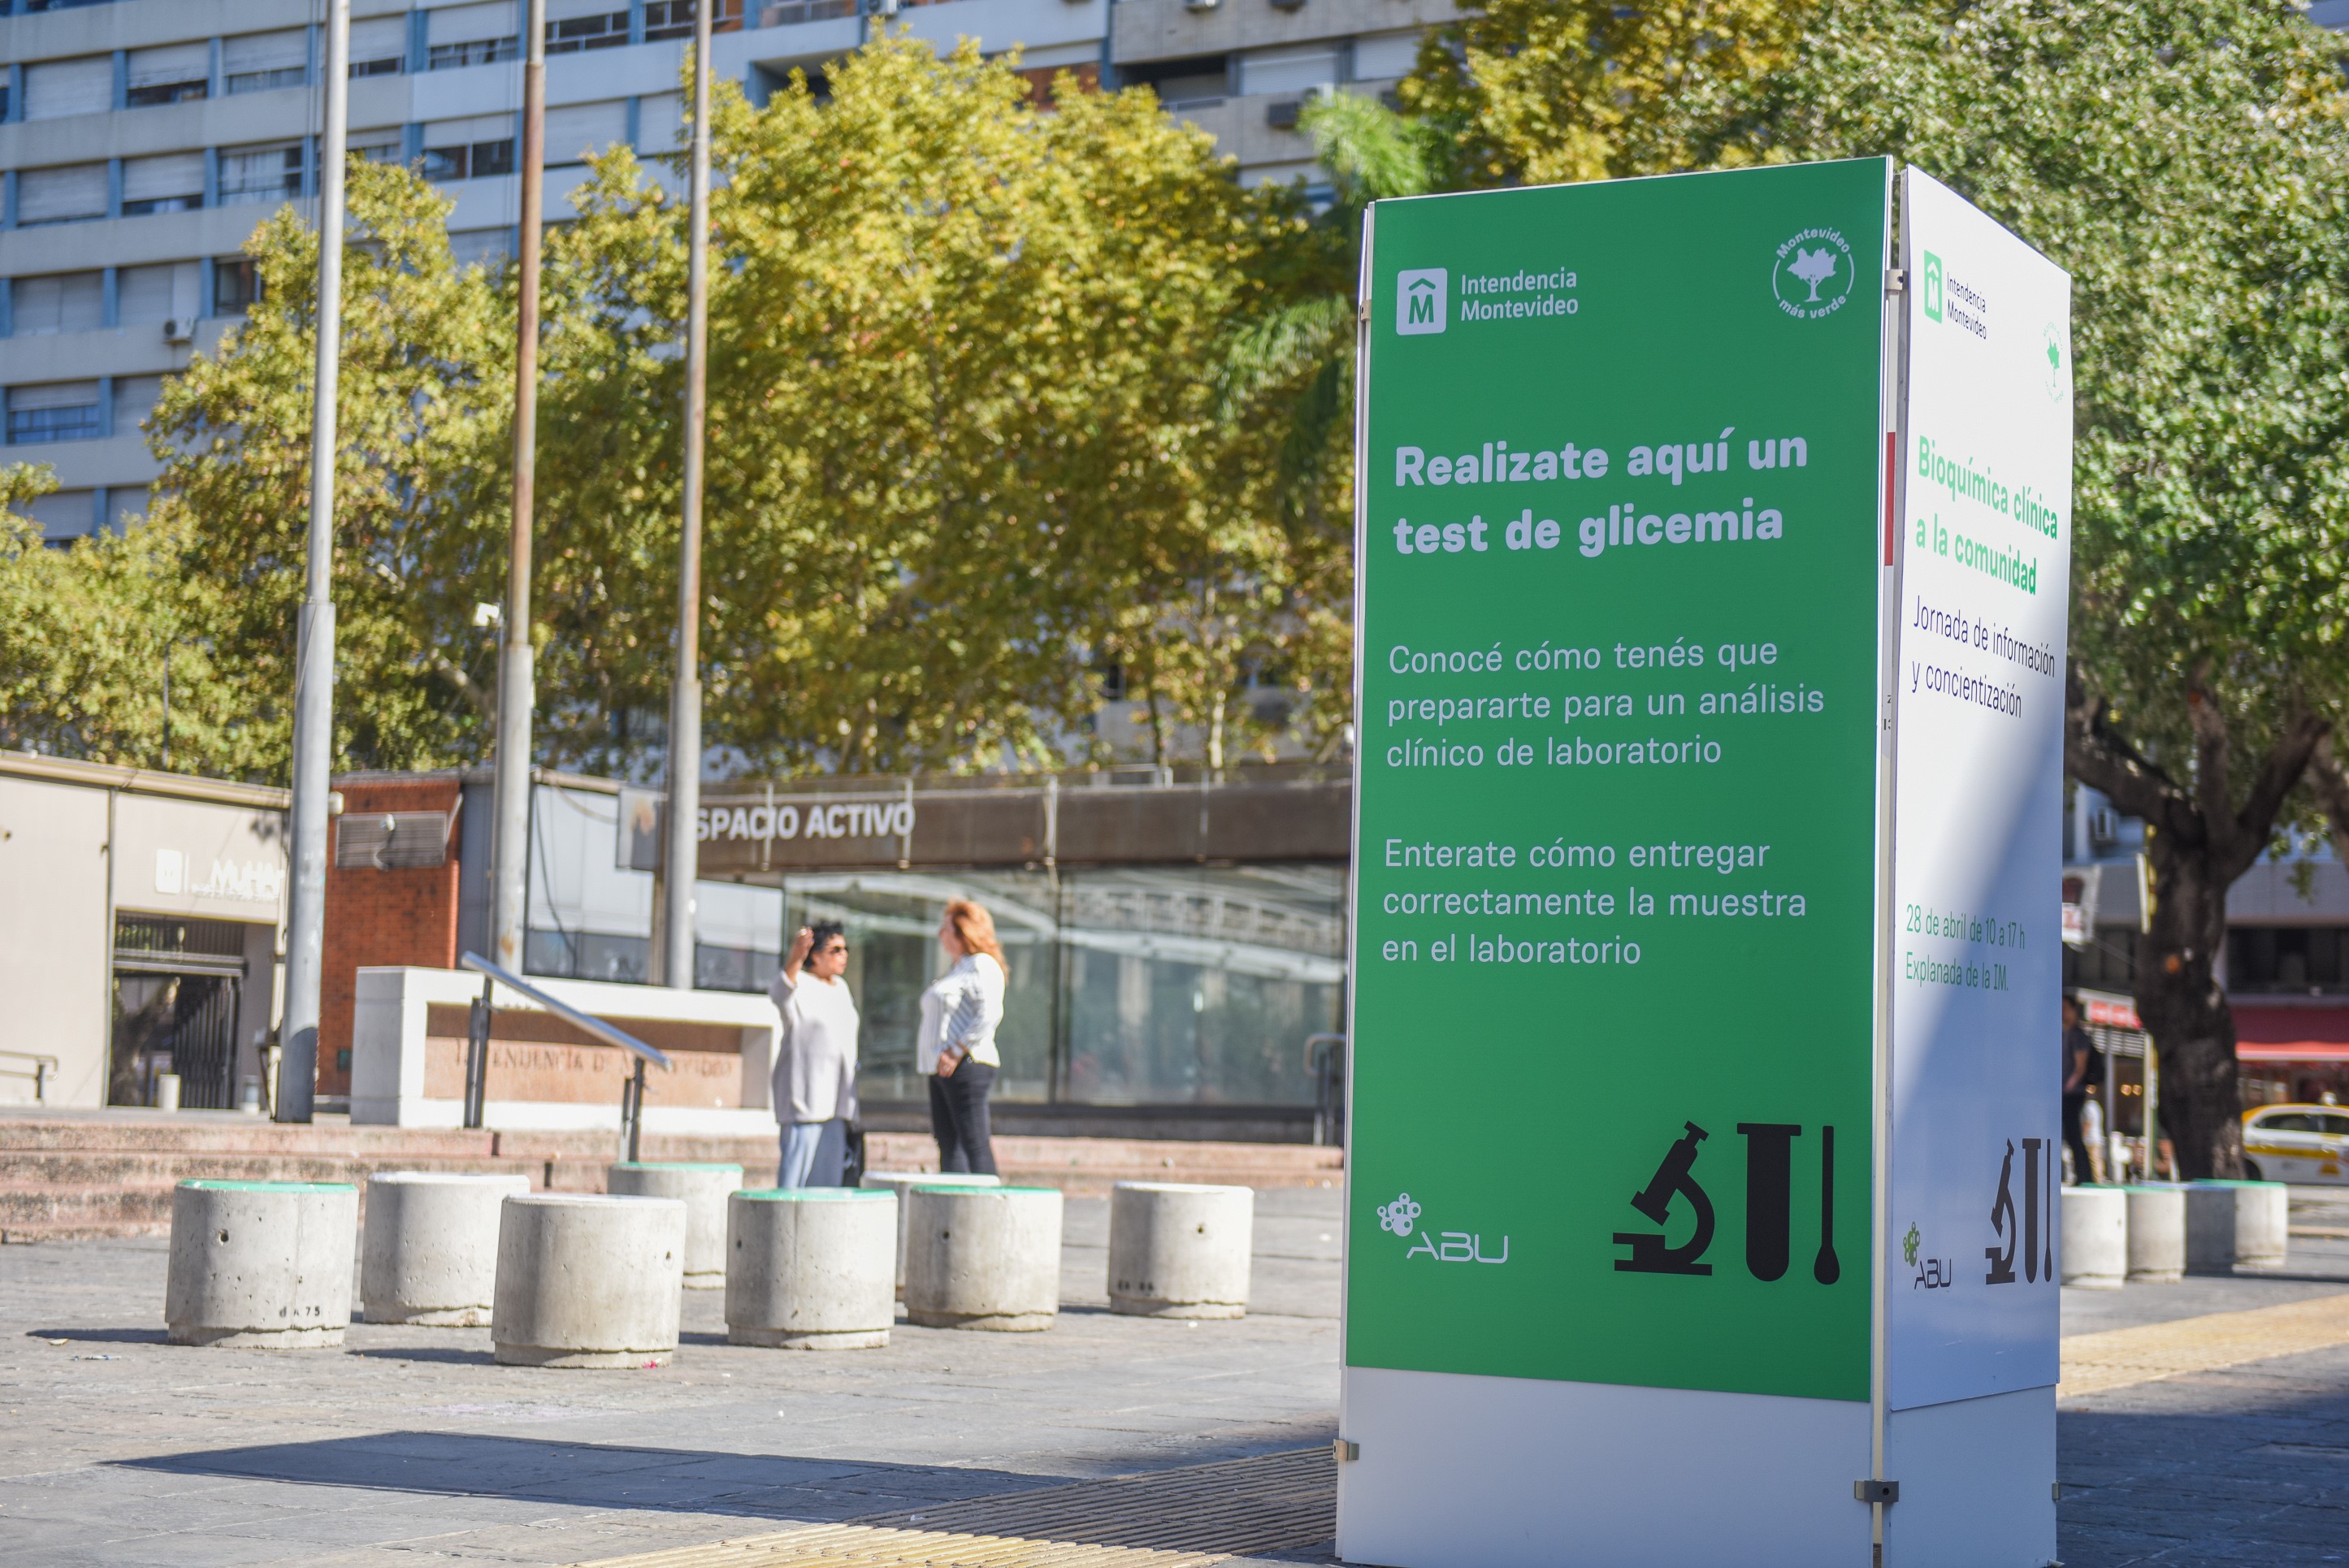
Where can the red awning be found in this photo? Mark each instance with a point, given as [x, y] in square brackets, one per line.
[2292, 1033]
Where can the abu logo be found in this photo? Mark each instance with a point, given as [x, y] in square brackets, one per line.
[1422, 303]
[1400, 1217]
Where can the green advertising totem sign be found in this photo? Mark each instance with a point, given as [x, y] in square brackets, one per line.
[1617, 830]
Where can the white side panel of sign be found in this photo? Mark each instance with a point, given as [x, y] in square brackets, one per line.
[1977, 1482]
[1984, 557]
[1519, 1472]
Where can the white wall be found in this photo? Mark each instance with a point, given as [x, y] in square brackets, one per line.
[55, 935]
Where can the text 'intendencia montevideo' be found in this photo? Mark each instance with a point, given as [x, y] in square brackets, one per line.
[1673, 463]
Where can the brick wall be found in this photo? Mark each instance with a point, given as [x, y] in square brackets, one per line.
[407, 915]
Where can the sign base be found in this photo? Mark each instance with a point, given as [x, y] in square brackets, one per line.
[1509, 1472]
[1977, 1482]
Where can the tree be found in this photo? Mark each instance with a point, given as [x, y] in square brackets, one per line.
[92, 628]
[2187, 163]
[1556, 92]
[423, 407]
[962, 442]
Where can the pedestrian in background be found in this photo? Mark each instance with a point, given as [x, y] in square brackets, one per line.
[814, 1084]
[956, 1047]
[2079, 1055]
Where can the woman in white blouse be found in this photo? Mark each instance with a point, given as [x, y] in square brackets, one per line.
[956, 1046]
[814, 1086]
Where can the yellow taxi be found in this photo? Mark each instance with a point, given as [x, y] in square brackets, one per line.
[2297, 1143]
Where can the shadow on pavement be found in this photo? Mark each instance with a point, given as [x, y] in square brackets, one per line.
[101, 1336]
[456, 1464]
[2262, 1480]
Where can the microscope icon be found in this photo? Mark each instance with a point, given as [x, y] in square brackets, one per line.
[1649, 1253]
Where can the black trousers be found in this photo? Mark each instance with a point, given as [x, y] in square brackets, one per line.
[958, 1118]
[2082, 1172]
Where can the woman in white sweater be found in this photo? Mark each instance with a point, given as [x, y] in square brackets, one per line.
[814, 1086]
[957, 1045]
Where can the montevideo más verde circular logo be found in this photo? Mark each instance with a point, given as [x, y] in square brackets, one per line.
[1814, 274]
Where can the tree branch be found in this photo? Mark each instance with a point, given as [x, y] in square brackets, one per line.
[2302, 740]
[2331, 785]
[2103, 760]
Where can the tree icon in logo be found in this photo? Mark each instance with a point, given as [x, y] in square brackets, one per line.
[1814, 273]
[1400, 1215]
[1812, 267]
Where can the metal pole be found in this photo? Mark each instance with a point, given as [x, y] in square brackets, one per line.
[477, 1055]
[632, 1115]
[510, 835]
[313, 664]
[680, 865]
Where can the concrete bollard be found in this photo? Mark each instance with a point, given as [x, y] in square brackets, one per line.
[588, 1280]
[983, 1257]
[429, 1250]
[2157, 1232]
[2095, 1250]
[1180, 1250]
[2258, 1213]
[261, 1262]
[704, 1189]
[809, 1268]
[902, 1181]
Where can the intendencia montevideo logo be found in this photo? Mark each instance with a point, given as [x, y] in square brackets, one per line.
[1423, 301]
[1814, 274]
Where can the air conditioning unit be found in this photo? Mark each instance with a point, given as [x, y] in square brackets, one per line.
[1288, 4]
[1201, 4]
[1282, 116]
[179, 329]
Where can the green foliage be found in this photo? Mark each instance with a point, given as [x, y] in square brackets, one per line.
[90, 627]
[971, 438]
[423, 406]
[1549, 92]
[961, 443]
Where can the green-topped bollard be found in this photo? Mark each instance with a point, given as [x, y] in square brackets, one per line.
[811, 1268]
[261, 1262]
[983, 1257]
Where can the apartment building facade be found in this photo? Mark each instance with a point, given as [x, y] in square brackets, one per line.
[141, 142]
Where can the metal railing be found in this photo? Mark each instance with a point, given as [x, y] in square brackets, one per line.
[39, 1072]
[477, 1059]
[1324, 1058]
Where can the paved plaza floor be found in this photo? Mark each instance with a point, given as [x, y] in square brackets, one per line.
[412, 1445]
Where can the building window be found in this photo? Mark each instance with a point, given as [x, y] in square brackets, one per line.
[58, 411]
[472, 52]
[55, 89]
[236, 285]
[379, 46]
[66, 195]
[167, 182]
[260, 174]
[61, 302]
[469, 160]
[1192, 83]
[376, 146]
[259, 62]
[173, 73]
[598, 30]
[2287, 960]
[35, 7]
[673, 18]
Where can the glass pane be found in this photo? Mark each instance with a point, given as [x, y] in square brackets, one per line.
[1199, 985]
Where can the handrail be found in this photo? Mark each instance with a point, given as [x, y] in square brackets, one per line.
[43, 1066]
[610, 1035]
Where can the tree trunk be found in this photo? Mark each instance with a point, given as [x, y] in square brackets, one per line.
[2183, 1007]
[2199, 841]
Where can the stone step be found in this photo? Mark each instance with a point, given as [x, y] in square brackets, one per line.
[64, 1177]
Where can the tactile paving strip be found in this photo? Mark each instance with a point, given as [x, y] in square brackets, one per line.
[1187, 1518]
[2119, 1358]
